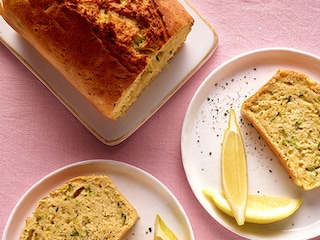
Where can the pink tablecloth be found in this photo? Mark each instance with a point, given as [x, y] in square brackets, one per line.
[38, 134]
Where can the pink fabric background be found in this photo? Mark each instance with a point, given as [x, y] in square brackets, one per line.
[39, 135]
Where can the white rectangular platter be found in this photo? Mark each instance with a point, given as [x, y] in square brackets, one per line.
[199, 46]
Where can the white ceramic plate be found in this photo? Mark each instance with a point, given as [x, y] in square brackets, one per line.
[205, 121]
[147, 194]
[188, 60]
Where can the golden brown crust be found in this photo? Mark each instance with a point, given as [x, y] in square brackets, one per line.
[100, 46]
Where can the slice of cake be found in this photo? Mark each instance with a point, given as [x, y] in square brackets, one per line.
[286, 112]
[86, 207]
[109, 50]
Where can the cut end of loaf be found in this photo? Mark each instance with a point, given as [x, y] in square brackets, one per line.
[156, 64]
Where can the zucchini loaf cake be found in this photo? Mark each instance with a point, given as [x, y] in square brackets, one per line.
[109, 50]
[286, 112]
[86, 207]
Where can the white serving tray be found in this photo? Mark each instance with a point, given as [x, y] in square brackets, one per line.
[199, 46]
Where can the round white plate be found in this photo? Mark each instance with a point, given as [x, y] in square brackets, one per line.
[147, 194]
[205, 121]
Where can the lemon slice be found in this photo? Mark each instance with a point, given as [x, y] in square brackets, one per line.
[162, 231]
[260, 209]
[234, 169]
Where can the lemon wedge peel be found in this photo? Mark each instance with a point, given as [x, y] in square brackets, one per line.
[234, 169]
[260, 209]
[162, 231]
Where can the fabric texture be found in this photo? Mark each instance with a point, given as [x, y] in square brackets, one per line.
[39, 135]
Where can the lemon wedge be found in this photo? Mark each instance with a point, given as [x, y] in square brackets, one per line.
[162, 231]
[234, 169]
[260, 209]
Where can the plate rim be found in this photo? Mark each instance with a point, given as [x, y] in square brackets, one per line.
[189, 110]
[249, 53]
[107, 162]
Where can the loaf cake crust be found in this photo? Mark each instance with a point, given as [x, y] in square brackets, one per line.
[109, 50]
[286, 112]
[86, 207]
